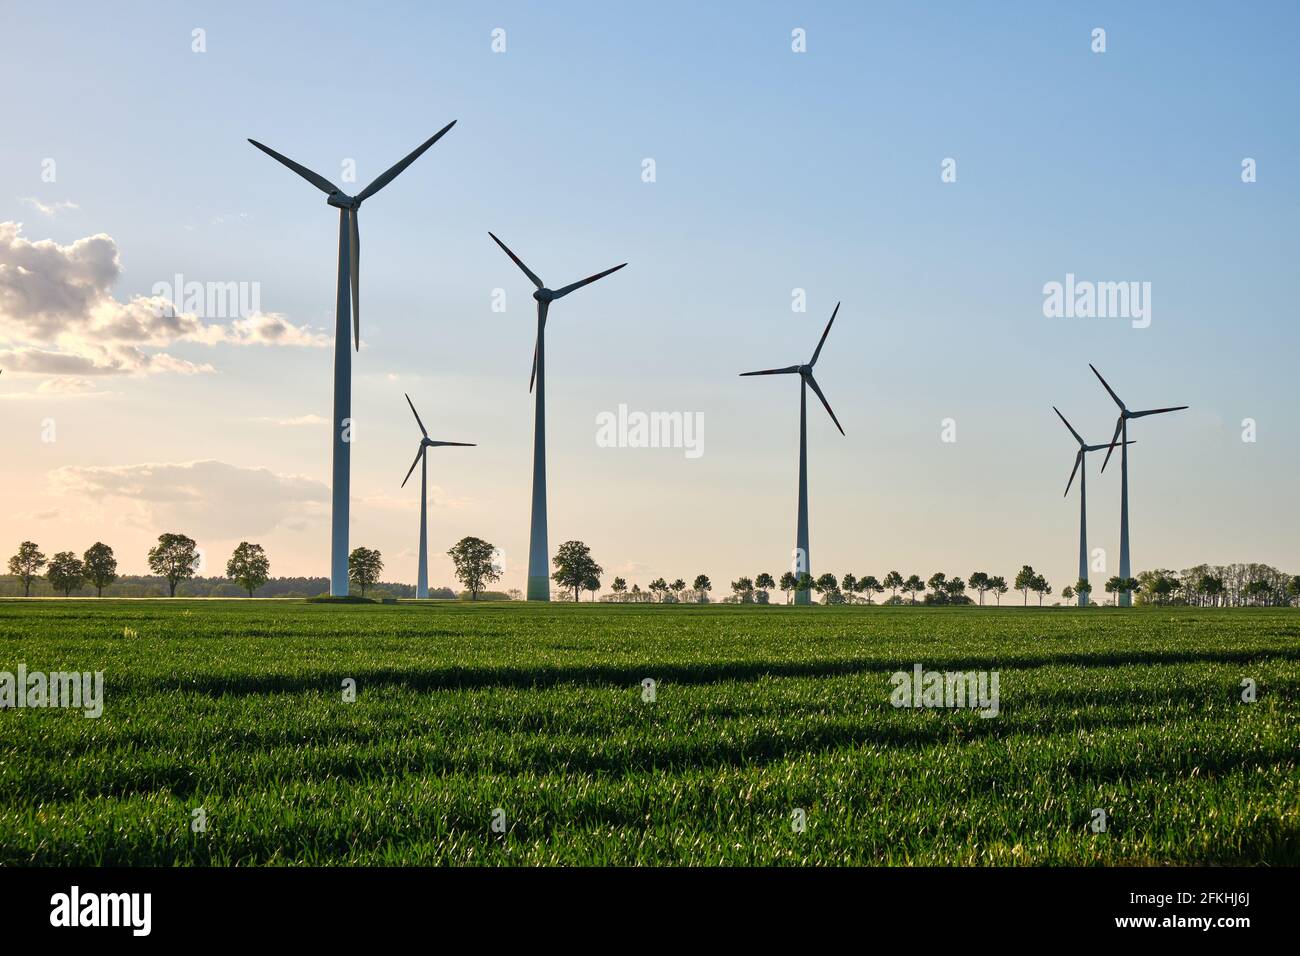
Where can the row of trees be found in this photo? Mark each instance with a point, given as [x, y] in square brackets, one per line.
[174, 558]
[1231, 585]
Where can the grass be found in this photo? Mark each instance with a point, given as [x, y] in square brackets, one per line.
[237, 708]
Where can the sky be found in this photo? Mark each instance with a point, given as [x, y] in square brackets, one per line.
[126, 163]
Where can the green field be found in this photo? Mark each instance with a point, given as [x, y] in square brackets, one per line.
[237, 707]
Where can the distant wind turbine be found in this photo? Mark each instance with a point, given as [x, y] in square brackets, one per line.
[539, 560]
[422, 577]
[1081, 468]
[349, 275]
[1121, 429]
[802, 562]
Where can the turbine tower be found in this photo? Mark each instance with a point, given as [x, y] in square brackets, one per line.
[539, 559]
[1081, 468]
[1121, 429]
[802, 563]
[422, 576]
[348, 276]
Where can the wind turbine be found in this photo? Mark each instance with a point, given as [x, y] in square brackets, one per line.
[1080, 467]
[349, 275]
[806, 379]
[539, 560]
[1121, 428]
[422, 578]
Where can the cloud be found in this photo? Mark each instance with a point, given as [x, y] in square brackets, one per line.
[206, 499]
[59, 313]
[50, 209]
[294, 422]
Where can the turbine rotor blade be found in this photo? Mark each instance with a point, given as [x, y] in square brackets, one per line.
[387, 177]
[1108, 388]
[417, 416]
[354, 257]
[1077, 436]
[457, 444]
[1078, 459]
[542, 309]
[519, 262]
[813, 382]
[413, 464]
[788, 370]
[561, 293]
[824, 334]
[317, 180]
[1157, 411]
[1119, 424]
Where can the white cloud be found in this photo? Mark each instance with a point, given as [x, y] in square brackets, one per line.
[50, 209]
[207, 499]
[59, 314]
[294, 422]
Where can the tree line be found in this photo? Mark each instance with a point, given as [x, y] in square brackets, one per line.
[176, 559]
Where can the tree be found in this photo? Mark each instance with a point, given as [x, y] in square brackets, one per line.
[956, 590]
[249, 567]
[936, 583]
[870, 586]
[913, 585]
[1292, 587]
[26, 565]
[619, 587]
[1040, 587]
[100, 565]
[998, 585]
[175, 557]
[803, 581]
[979, 580]
[474, 563]
[702, 587]
[893, 581]
[1025, 582]
[364, 567]
[744, 590]
[788, 581]
[828, 588]
[591, 583]
[1068, 593]
[574, 565]
[678, 587]
[1081, 587]
[66, 572]
[659, 587]
[849, 585]
[764, 583]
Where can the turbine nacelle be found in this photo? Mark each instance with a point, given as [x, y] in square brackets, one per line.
[342, 200]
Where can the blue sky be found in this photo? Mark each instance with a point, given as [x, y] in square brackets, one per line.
[775, 170]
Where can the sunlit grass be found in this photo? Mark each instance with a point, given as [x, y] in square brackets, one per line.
[237, 707]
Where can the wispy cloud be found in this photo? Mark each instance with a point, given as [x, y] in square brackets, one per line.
[50, 209]
[208, 499]
[295, 422]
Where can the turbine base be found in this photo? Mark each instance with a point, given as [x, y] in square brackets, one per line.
[539, 589]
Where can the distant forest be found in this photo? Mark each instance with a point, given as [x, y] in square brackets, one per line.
[147, 585]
